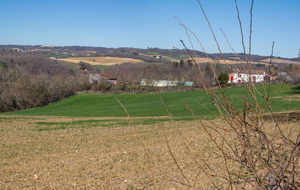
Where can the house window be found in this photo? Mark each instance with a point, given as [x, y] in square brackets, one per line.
[239, 81]
[254, 78]
[231, 78]
[240, 76]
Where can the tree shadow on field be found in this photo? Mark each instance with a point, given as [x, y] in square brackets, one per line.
[283, 117]
[296, 90]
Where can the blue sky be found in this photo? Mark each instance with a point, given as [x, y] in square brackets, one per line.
[142, 24]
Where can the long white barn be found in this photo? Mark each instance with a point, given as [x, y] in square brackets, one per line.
[164, 83]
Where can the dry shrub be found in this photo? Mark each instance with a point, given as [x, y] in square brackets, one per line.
[246, 151]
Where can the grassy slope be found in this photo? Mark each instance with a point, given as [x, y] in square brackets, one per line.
[147, 105]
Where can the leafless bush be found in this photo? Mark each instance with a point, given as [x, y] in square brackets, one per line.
[251, 153]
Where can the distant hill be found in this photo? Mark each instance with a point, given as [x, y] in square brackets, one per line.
[146, 55]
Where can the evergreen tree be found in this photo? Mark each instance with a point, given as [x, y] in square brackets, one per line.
[223, 78]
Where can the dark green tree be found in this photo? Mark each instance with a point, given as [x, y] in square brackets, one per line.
[189, 62]
[2, 64]
[175, 63]
[223, 78]
[181, 63]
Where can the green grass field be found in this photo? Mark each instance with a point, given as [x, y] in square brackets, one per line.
[102, 66]
[284, 98]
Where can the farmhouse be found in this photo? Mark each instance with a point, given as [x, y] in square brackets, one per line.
[102, 76]
[246, 76]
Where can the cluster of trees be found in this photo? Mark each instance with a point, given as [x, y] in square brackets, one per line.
[294, 72]
[30, 80]
[130, 75]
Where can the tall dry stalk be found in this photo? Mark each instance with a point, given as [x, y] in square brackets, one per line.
[248, 152]
[253, 153]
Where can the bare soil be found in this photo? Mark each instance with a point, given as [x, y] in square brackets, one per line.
[70, 153]
[94, 157]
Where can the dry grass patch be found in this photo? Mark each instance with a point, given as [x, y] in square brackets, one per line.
[294, 97]
[279, 61]
[221, 61]
[101, 60]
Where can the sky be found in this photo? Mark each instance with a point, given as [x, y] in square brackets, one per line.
[153, 23]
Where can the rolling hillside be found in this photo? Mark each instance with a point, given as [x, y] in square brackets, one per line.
[285, 98]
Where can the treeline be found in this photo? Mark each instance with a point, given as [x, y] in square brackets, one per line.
[130, 75]
[30, 80]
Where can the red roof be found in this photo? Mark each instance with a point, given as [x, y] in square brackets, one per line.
[108, 76]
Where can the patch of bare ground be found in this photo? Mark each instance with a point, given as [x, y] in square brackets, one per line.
[295, 97]
[292, 116]
[91, 157]
[113, 157]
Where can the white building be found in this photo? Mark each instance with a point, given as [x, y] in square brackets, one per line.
[164, 83]
[94, 78]
[246, 76]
